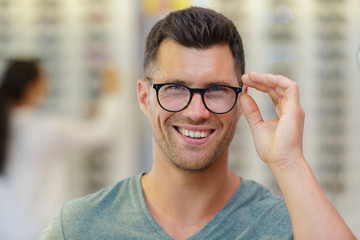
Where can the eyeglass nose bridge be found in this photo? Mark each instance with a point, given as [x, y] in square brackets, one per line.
[201, 91]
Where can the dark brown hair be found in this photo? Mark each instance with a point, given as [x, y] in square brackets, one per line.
[16, 78]
[195, 27]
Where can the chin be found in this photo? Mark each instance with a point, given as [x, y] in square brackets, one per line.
[194, 168]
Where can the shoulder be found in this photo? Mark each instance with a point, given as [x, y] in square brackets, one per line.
[259, 199]
[99, 208]
[114, 212]
[104, 198]
[252, 213]
[257, 193]
[268, 212]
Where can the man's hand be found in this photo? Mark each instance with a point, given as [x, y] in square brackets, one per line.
[279, 143]
[279, 140]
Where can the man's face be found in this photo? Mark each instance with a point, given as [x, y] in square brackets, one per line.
[209, 134]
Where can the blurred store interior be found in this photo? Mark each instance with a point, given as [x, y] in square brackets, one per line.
[315, 42]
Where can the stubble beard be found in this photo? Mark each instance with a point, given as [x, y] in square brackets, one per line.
[191, 159]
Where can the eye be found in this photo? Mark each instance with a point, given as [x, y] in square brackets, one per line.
[219, 91]
[216, 89]
[174, 89]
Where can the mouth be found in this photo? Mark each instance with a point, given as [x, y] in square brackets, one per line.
[196, 134]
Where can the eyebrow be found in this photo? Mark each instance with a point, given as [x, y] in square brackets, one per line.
[211, 83]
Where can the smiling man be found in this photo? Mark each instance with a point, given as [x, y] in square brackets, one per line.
[193, 94]
[187, 131]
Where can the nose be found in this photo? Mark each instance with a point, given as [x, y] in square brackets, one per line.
[196, 109]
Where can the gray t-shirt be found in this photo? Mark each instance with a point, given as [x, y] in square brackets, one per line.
[119, 212]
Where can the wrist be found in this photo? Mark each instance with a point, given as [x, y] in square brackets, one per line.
[290, 164]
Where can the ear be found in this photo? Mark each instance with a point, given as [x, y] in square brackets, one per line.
[244, 91]
[143, 96]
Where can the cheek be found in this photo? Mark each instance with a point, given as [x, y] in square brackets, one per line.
[232, 120]
[152, 107]
[152, 100]
[152, 118]
[157, 117]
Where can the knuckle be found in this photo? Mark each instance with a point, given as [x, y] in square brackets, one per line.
[301, 112]
[294, 84]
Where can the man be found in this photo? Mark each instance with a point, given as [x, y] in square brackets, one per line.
[194, 66]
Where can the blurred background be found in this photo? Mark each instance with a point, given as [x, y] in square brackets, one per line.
[314, 42]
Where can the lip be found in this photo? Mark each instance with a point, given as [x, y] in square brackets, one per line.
[194, 141]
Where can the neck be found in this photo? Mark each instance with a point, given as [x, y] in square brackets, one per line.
[183, 202]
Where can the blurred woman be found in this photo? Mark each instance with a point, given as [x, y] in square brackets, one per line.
[34, 148]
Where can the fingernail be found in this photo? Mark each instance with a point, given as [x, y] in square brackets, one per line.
[254, 74]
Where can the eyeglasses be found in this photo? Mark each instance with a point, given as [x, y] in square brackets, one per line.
[174, 97]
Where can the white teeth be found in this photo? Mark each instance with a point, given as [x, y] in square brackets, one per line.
[191, 134]
[194, 134]
[197, 134]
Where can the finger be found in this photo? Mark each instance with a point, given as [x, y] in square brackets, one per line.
[292, 93]
[264, 82]
[285, 89]
[278, 81]
[292, 103]
[289, 104]
[276, 85]
[251, 111]
[255, 80]
[275, 93]
[275, 96]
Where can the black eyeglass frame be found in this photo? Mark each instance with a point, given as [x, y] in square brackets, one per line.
[202, 91]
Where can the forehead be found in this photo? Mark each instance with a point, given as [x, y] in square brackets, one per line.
[195, 66]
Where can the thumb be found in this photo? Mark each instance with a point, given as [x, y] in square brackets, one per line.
[251, 111]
